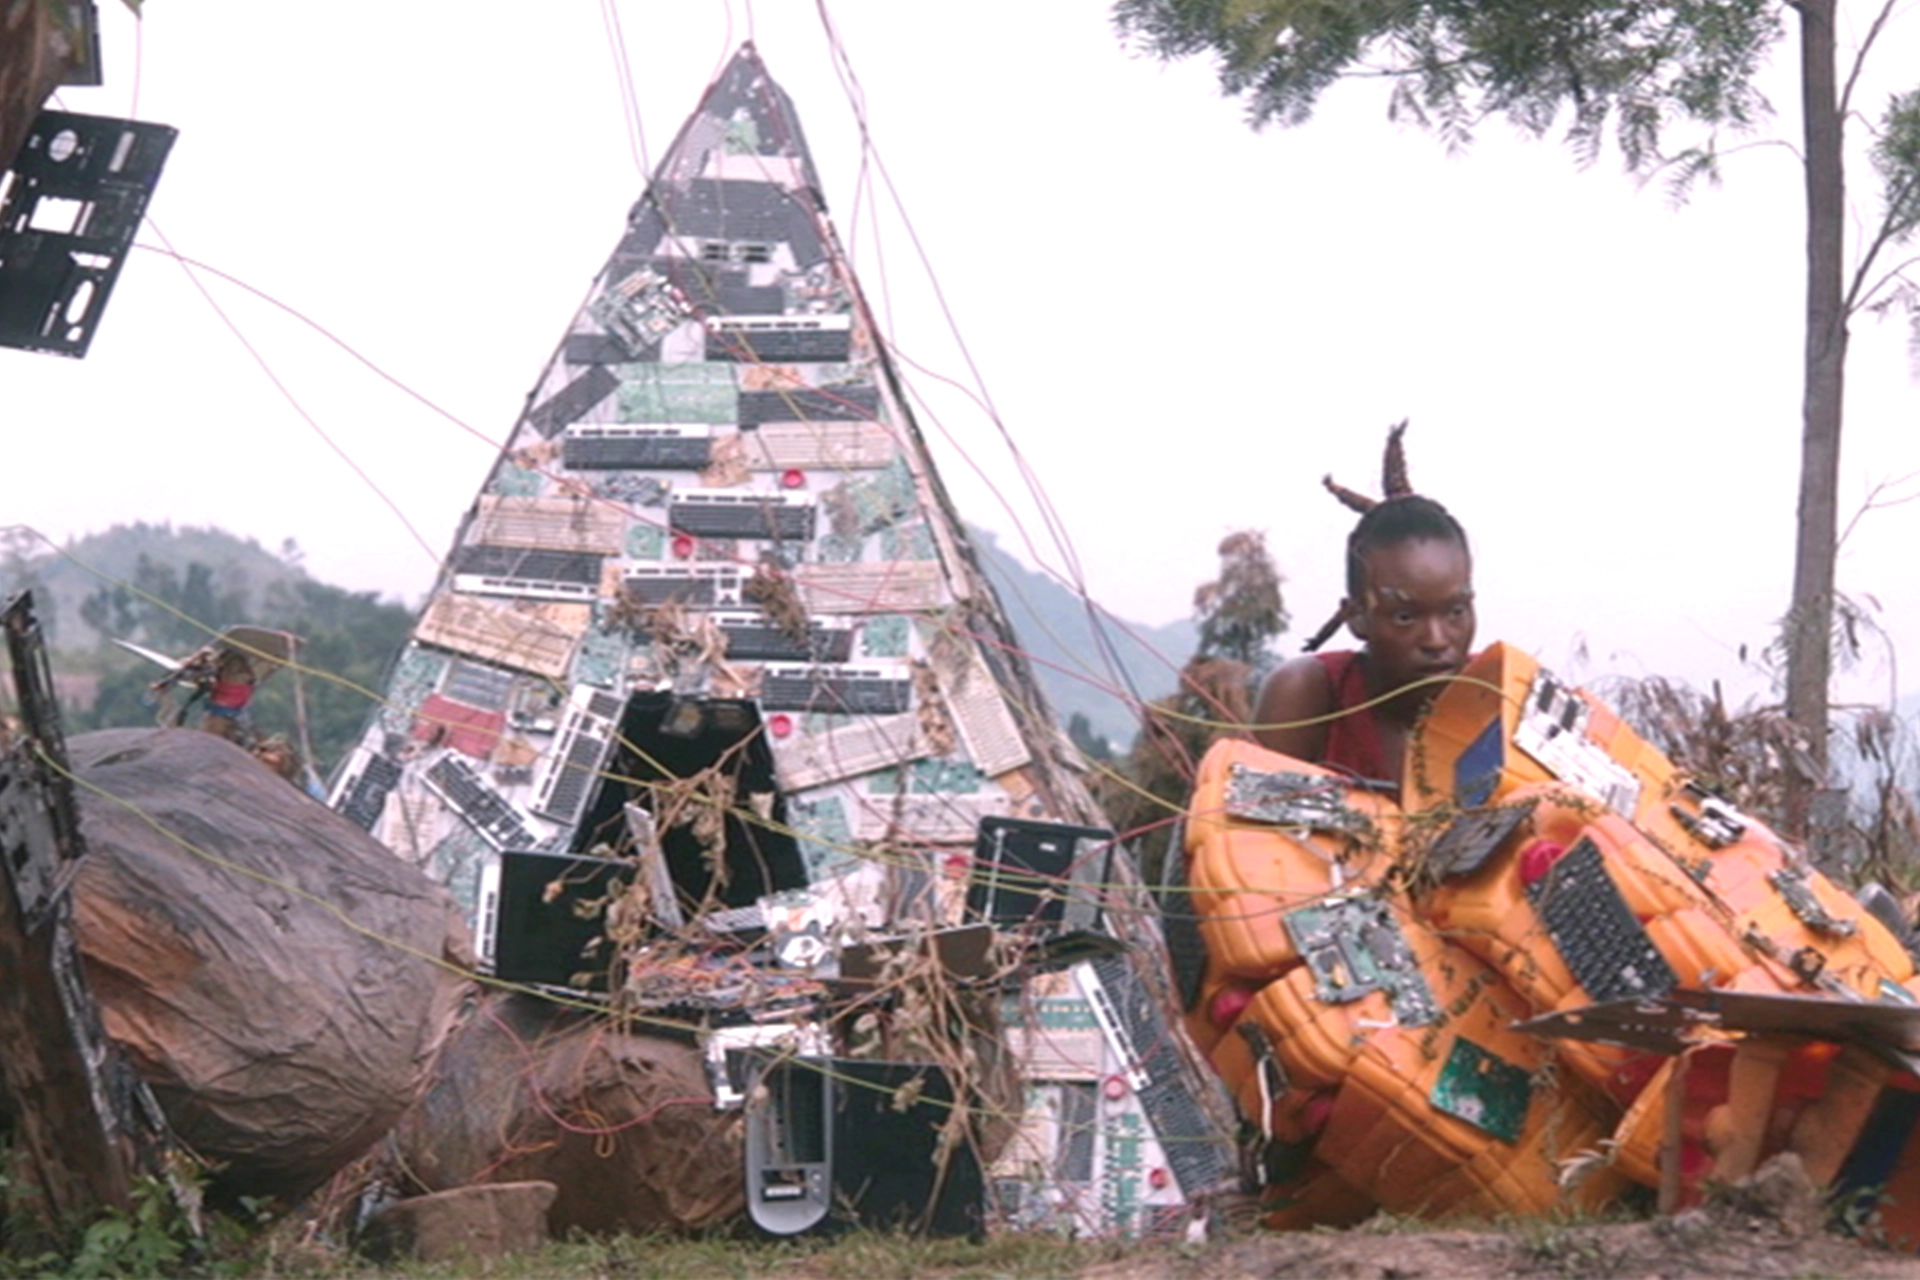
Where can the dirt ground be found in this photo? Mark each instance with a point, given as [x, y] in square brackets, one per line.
[1774, 1224]
[1697, 1243]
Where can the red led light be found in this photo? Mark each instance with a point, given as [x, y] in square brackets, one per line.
[1116, 1088]
[1319, 1110]
[1227, 1004]
[1538, 858]
[780, 726]
[793, 478]
[682, 547]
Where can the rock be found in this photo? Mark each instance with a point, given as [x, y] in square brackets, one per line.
[465, 1224]
[621, 1120]
[275, 975]
[1781, 1190]
[1688, 1229]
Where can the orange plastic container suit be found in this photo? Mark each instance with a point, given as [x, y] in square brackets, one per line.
[1702, 877]
[1349, 1032]
[1357, 966]
[1575, 907]
[1264, 835]
[1448, 1112]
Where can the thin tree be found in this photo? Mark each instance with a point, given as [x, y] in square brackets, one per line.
[1241, 613]
[1632, 71]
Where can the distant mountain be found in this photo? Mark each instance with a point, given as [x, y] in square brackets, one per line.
[63, 580]
[1087, 661]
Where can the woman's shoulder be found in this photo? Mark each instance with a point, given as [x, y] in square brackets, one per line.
[1299, 689]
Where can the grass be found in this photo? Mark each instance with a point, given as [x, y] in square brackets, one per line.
[866, 1255]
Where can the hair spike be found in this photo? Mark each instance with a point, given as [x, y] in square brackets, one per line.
[1348, 498]
[1393, 469]
[1402, 515]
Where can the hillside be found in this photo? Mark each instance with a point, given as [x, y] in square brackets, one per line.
[63, 580]
[170, 589]
[243, 581]
[1076, 664]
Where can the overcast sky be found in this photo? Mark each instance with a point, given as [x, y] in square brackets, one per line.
[1181, 323]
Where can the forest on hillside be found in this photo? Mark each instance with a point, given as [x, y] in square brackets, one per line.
[171, 590]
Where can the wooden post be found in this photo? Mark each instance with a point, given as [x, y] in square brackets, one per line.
[1676, 1101]
[87, 1123]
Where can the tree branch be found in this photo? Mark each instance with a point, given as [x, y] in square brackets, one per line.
[1873, 503]
[1860, 58]
[1667, 162]
[1889, 231]
[1895, 272]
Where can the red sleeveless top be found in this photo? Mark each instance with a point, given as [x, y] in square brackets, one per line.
[1353, 740]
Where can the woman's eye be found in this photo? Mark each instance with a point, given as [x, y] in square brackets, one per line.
[1403, 618]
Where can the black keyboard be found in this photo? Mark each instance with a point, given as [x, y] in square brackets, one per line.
[825, 692]
[479, 804]
[636, 453]
[836, 404]
[369, 794]
[689, 589]
[748, 519]
[1610, 954]
[765, 642]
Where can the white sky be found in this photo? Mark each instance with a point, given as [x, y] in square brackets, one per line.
[1182, 323]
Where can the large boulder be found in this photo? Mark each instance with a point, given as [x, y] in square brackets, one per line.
[467, 1224]
[621, 1121]
[281, 981]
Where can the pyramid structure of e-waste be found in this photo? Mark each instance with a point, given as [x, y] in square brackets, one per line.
[714, 492]
[715, 541]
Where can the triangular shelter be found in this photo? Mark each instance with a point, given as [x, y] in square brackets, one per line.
[713, 601]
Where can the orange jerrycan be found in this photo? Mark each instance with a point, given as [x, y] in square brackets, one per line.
[1389, 1055]
[1505, 722]
[1264, 835]
[1506, 725]
[1462, 1114]
[1742, 1101]
[1778, 901]
[1574, 906]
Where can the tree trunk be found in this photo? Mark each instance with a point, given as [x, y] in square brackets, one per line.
[1810, 619]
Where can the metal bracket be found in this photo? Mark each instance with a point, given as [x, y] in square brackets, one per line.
[74, 200]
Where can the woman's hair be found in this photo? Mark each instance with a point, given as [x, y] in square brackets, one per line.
[1401, 516]
[1414, 518]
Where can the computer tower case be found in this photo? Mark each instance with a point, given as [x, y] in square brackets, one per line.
[828, 1149]
[543, 918]
[1043, 878]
